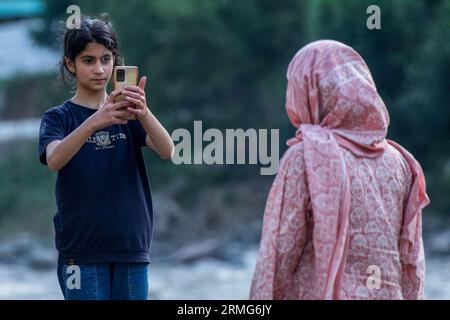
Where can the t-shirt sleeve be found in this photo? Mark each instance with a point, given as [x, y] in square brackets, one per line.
[139, 133]
[52, 128]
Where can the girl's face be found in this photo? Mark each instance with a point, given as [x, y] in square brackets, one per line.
[92, 67]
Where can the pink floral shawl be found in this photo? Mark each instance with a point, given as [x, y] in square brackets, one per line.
[332, 99]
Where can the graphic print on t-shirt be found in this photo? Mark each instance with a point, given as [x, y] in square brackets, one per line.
[103, 139]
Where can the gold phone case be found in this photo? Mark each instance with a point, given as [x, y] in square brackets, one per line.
[130, 78]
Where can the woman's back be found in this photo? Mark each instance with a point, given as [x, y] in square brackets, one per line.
[379, 189]
[343, 217]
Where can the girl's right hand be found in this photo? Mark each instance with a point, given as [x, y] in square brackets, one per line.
[109, 114]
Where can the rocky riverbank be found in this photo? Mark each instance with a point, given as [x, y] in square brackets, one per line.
[217, 268]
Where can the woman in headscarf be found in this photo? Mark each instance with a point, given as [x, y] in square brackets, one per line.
[343, 219]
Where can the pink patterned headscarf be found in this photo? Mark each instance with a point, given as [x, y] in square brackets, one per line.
[333, 101]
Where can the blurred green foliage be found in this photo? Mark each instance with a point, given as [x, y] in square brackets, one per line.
[26, 191]
[224, 62]
[220, 61]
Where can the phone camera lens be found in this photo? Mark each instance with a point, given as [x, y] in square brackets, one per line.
[120, 76]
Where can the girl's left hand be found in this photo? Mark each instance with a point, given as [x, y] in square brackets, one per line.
[136, 96]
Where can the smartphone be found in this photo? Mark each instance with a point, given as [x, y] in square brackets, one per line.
[124, 76]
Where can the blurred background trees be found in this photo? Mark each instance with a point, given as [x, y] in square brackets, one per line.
[224, 62]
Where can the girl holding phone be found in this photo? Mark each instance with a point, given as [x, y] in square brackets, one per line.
[104, 222]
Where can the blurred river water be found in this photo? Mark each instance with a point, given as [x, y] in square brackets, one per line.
[204, 279]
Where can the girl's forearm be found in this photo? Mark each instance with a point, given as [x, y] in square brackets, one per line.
[160, 137]
[67, 148]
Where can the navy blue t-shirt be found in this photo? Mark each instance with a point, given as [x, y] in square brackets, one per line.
[102, 194]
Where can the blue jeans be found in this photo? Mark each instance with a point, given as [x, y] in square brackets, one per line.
[104, 281]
